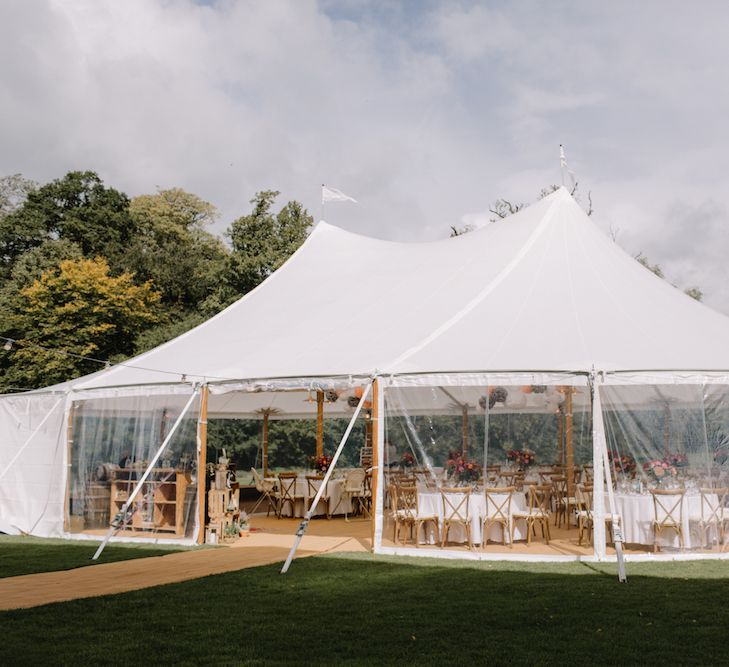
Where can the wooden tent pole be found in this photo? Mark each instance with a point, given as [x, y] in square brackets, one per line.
[319, 423]
[202, 460]
[666, 428]
[375, 454]
[568, 441]
[465, 430]
[560, 433]
[265, 442]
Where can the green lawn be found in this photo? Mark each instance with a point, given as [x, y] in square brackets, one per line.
[28, 555]
[376, 610]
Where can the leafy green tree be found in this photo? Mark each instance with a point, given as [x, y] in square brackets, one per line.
[262, 241]
[79, 308]
[77, 208]
[14, 190]
[173, 249]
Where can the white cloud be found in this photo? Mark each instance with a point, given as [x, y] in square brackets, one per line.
[426, 113]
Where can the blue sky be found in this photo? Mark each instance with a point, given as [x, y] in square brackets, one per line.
[425, 112]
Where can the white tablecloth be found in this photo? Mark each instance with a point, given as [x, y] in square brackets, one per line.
[432, 504]
[335, 490]
[637, 514]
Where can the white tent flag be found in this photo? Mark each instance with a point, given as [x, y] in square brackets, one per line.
[332, 194]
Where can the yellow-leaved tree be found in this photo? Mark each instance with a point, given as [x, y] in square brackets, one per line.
[78, 307]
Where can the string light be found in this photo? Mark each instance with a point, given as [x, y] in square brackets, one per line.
[10, 343]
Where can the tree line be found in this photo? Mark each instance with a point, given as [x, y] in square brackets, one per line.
[90, 273]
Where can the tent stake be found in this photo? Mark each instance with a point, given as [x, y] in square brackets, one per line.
[310, 512]
[125, 508]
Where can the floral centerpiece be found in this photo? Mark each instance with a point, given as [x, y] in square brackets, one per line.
[659, 469]
[407, 460]
[320, 464]
[677, 460]
[462, 469]
[521, 457]
[622, 464]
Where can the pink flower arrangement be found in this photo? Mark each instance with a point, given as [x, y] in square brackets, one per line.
[624, 464]
[462, 469]
[523, 458]
[660, 469]
[321, 463]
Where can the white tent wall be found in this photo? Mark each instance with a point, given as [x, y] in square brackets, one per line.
[114, 439]
[33, 463]
[482, 417]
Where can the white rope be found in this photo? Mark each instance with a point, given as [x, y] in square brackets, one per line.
[125, 508]
[322, 487]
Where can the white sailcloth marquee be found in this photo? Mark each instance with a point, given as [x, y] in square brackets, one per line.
[540, 298]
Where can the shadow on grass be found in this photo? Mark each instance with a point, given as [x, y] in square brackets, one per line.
[365, 610]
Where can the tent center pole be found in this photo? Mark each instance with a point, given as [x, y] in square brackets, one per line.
[319, 423]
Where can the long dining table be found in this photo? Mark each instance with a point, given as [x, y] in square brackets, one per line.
[431, 503]
[335, 491]
[637, 515]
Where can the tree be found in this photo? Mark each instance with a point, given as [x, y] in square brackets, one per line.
[78, 308]
[77, 208]
[14, 190]
[262, 241]
[173, 249]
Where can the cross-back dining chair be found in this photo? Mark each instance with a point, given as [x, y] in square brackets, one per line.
[456, 511]
[498, 512]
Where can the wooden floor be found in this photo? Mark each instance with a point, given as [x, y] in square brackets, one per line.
[269, 542]
[563, 542]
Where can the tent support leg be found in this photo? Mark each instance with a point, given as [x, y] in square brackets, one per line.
[125, 508]
[303, 525]
[598, 432]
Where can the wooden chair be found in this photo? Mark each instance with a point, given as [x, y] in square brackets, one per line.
[354, 492]
[406, 512]
[498, 512]
[456, 510]
[540, 496]
[267, 489]
[508, 478]
[564, 504]
[714, 513]
[367, 498]
[587, 474]
[313, 484]
[667, 513]
[583, 496]
[286, 492]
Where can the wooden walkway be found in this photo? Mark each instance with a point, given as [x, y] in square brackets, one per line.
[271, 545]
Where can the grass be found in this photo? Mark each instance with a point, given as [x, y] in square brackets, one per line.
[29, 555]
[360, 609]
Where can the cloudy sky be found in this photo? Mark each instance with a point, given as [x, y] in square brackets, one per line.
[426, 112]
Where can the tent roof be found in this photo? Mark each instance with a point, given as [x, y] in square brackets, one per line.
[543, 290]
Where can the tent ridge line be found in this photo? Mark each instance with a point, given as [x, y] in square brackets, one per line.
[495, 282]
